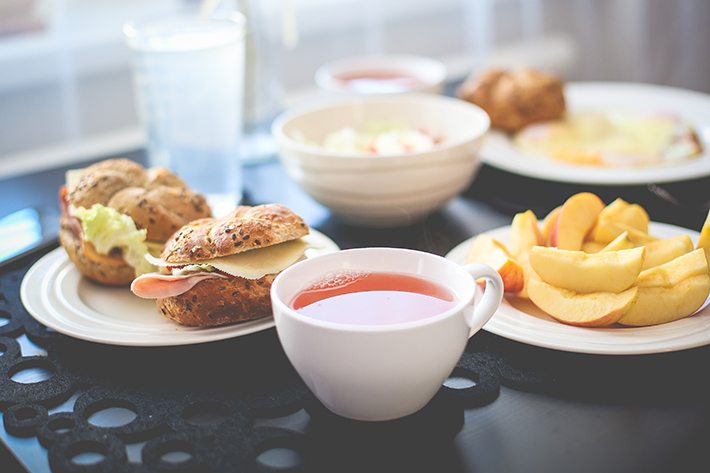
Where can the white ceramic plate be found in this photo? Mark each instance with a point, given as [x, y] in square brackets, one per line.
[522, 321]
[499, 151]
[54, 292]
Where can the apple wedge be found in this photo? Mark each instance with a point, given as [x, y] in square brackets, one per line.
[658, 305]
[524, 233]
[593, 246]
[577, 217]
[528, 272]
[632, 215]
[606, 231]
[595, 309]
[704, 240]
[673, 272]
[670, 291]
[611, 271]
[621, 242]
[487, 250]
[662, 251]
[548, 224]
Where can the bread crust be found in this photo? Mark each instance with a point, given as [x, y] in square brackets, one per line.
[163, 177]
[117, 273]
[161, 210]
[156, 199]
[515, 99]
[244, 229]
[97, 188]
[134, 173]
[220, 301]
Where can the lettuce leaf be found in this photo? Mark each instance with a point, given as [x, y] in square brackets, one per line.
[106, 228]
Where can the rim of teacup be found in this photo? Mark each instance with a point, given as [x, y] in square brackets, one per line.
[285, 308]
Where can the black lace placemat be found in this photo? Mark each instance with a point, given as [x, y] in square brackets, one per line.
[225, 406]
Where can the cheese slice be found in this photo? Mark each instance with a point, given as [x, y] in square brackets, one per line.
[255, 264]
[252, 264]
[154, 249]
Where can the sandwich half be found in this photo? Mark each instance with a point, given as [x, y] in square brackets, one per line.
[115, 211]
[219, 271]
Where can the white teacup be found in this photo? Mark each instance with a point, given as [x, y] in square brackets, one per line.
[381, 372]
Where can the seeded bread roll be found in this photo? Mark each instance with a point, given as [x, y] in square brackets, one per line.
[100, 181]
[516, 99]
[244, 229]
[163, 177]
[134, 173]
[161, 210]
[155, 199]
[219, 302]
[110, 270]
[97, 188]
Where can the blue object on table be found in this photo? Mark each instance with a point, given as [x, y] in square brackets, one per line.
[25, 230]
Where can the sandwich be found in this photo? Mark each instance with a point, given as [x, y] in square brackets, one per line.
[115, 211]
[219, 271]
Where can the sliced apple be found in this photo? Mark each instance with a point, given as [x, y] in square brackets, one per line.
[593, 246]
[638, 237]
[632, 215]
[670, 291]
[673, 272]
[576, 218]
[528, 272]
[704, 240]
[663, 251]
[487, 250]
[548, 224]
[658, 305]
[595, 309]
[611, 271]
[605, 231]
[621, 242]
[524, 233]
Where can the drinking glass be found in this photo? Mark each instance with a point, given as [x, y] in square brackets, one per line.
[189, 81]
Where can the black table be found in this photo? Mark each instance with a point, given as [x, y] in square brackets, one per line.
[531, 409]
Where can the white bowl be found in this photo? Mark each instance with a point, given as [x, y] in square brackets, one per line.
[391, 190]
[430, 74]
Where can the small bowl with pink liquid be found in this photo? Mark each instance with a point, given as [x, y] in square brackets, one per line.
[382, 75]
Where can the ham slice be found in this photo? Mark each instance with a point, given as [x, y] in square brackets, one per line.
[64, 199]
[73, 224]
[158, 286]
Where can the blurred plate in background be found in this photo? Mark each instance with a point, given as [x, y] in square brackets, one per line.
[499, 150]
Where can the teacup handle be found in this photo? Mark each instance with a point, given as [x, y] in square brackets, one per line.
[492, 295]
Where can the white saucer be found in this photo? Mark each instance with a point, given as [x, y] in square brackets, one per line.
[499, 151]
[522, 321]
[56, 295]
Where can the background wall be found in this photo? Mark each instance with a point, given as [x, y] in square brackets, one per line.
[65, 72]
